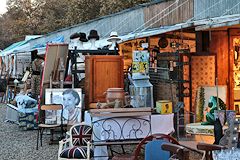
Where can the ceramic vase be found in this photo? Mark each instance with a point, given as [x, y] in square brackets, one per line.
[230, 116]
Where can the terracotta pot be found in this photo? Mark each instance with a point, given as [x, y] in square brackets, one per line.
[115, 93]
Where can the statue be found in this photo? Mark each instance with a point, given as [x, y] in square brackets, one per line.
[212, 104]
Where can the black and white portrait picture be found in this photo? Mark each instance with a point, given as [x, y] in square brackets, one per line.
[71, 99]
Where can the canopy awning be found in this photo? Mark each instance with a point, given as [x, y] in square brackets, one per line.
[229, 20]
[131, 36]
[156, 31]
[217, 22]
[24, 46]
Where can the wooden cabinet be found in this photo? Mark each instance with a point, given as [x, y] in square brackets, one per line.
[101, 73]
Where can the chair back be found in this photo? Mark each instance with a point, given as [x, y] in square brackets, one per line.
[51, 112]
[81, 134]
[153, 150]
[158, 140]
[53, 107]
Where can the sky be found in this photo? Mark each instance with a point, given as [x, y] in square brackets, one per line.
[3, 6]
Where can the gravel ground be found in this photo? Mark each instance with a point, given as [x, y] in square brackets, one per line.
[21, 145]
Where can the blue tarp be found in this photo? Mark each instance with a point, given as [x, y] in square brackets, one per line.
[12, 47]
[24, 46]
[59, 39]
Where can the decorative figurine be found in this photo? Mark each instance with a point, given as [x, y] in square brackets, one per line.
[212, 104]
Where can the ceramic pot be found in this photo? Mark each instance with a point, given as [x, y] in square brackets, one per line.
[221, 114]
[115, 93]
[230, 116]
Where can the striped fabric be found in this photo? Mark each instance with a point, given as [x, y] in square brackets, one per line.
[76, 152]
[81, 135]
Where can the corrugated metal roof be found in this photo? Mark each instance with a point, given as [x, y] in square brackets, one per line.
[204, 9]
[111, 15]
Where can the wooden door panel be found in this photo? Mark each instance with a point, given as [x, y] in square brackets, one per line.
[102, 72]
[106, 75]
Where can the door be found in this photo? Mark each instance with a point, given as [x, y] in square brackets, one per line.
[108, 73]
[235, 79]
[234, 73]
[203, 73]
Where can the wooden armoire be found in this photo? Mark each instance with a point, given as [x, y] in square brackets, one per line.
[102, 72]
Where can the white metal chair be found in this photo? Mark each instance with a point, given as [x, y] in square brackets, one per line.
[78, 145]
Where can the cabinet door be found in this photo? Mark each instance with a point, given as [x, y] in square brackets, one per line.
[108, 73]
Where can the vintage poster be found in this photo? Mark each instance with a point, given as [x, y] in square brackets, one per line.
[140, 65]
[71, 99]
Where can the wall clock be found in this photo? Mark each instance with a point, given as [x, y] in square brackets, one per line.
[162, 42]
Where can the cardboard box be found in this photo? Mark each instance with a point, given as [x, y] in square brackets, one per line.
[164, 106]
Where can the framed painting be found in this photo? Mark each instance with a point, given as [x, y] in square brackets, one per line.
[71, 99]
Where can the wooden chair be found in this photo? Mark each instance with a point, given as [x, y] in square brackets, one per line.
[78, 145]
[42, 125]
[3, 87]
[208, 148]
[152, 143]
[177, 151]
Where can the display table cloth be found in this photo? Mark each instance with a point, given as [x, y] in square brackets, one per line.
[126, 128]
[202, 133]
[197, 128]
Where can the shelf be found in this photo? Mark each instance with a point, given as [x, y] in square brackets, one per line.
[180, 51]
[78, 62]
[184, 95]
[64, 83]
[182, 63]
[94, 52]
[182, 81]
[78, 71]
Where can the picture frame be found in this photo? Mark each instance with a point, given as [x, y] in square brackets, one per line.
[71, 114]
[140, 64]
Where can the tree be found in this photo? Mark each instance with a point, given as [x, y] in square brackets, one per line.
[113, 6]
[27, 17]
[81, 11]
[21, 19]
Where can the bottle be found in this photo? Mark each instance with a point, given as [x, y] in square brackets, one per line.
[99, 105]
